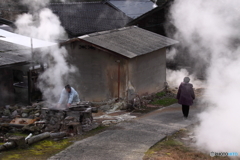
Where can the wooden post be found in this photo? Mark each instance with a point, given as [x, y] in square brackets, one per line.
[38, 138]
[119, 74]
[29, 87]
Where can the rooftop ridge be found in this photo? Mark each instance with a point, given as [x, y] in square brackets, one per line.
[107, 32]
[96, 2]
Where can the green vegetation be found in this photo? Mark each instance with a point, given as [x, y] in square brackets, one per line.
[172, 148]
[18, 134]
[41, 150]
[164, 101]
[161, 94]
[46, 148]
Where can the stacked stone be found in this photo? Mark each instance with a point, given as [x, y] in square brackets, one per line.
[53, 119]
[71, 125]
[18, 111]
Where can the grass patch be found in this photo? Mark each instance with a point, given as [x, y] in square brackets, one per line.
[18, 134]
[164, 101]
[44, 149]
[172, 148]
[40, 150]
[161, 94]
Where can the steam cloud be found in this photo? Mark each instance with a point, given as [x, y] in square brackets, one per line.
[174, 78]
[43, 24]
[210, 30]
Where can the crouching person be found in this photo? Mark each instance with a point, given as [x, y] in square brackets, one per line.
[68, 96]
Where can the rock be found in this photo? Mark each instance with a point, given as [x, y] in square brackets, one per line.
[19, 111]
[37, 114]
[31, 128]
[12, 108]
[14, 113]
[37, 111]
[119, 106]
[7, 106]
[5, 117]
[105, 108]
[31, 116]
[185, 139]
[24, 115]
[108, 122]
[26, 110]
[6, 112]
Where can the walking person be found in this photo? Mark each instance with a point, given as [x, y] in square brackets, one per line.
[185, 96]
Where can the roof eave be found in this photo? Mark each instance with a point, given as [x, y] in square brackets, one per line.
[93, 45]
[15, 64]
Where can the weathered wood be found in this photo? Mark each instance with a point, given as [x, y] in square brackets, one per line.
[37, 138]
[58, 135]
[12, 125]
[18, 140]
[7, 146]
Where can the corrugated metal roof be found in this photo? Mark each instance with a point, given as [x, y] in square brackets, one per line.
[129, 41]
[83, 18]
[133, 8]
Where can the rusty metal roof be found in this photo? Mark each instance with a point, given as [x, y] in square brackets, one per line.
[133, 8]
[129, 41]
[79, 18]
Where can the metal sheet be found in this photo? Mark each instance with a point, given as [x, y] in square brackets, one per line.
[23, 40]
[134, 8]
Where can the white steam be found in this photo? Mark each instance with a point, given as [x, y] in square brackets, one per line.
[45, 25]
[171, 54]
[175, 77]
[210, 30]
[35, 5]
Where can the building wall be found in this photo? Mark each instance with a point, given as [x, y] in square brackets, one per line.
[147, 73]
[97, 75]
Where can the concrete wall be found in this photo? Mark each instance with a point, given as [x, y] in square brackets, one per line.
[97, 75]
[147, 73]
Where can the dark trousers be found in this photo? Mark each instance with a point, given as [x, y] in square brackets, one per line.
[185, 110]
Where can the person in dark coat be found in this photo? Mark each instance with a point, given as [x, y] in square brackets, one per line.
[185, 96]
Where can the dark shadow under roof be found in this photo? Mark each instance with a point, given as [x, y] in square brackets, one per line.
[129, 41]
[81, 18]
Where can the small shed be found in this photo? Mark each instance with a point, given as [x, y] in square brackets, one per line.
[115, 63]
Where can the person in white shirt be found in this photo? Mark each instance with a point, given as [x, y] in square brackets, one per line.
[68, 96]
